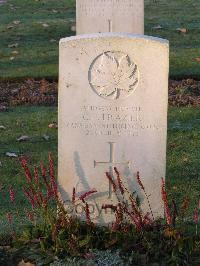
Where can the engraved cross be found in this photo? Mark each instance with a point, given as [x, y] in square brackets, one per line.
[111, 163]
[110, 25]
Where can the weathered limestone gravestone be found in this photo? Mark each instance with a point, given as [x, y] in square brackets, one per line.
[96, 16]
[112, 112]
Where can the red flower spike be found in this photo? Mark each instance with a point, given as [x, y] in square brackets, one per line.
[43, 200]
[136, 220]
[26, 169]
[54, 187]
[143, 188]
[42, 169]
[139, 181]
[196, 216]
[87, 214]
[111, 181]
[36, 175]
[120, 185]
[11, 194]
[147, 220]
[51, 168]
[52, 177]
[36, 200]
[166, 208]
[133, 204]
[29, 197]
[120, 213]
[135, 210]
[73, 195]
[49, 193]
[87, 194]
[30, 216]
[43, 174]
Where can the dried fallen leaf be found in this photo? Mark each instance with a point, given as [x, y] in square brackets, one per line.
[172, 145]
[15, 52]
[12, 58]
[2, 127]
[14, 91]
[16, 22]
[53, 125]
[54, 11]
[197, 59]
[11, 154]
[10, 27]
[53, 40]
[46, 137]
[185, 159]
[3, 108]
[13, 45]
[158, 27]
[23, 138]
[182, 30]
[45, 25]
[73, 28]
[23, 263]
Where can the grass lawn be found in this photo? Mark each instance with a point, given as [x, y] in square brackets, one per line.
[31, 121]
[30, 31]
[183, 154]
[182, 157]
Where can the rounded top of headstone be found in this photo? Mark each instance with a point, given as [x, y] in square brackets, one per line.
[145, 38]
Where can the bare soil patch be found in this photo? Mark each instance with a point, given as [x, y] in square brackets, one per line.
[28, 92]
[184, 93]
[42, 92]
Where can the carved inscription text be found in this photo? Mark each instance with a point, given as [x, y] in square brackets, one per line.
[111, 121]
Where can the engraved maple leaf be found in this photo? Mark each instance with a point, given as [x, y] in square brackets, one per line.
[113, 75]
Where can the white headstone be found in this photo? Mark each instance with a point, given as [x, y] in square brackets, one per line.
[113, 91]
[96, 16]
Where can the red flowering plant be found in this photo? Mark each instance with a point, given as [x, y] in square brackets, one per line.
[40, 189]
[127, 211]
[82, 201]
[62, 233]
[45, 212]
[54, 226]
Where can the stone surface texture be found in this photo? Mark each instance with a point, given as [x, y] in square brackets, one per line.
[96, 16]
[113, 91]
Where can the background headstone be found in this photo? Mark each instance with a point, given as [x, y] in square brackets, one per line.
[112, 112]
[2, 2]
[96, 16]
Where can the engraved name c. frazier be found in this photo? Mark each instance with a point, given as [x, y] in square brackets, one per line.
[111, 163]
[112, 75]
